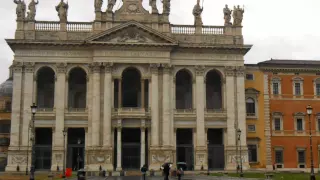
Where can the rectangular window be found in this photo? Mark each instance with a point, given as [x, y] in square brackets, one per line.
[277, 124]
[299, 125]
[318, 89]
[249, 76]
[252, 152]
[318, 124]
[275, 88]
[251, 128]
[301, 157]
[297, 87]
[279, 156]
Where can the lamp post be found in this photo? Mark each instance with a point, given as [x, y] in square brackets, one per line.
[309, 112]
[78, 159]
[239, 139]
[33, 139]
[208, 172]
[64, 153]
[28, 148]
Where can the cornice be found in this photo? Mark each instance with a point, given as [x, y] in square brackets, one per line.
[302, 69]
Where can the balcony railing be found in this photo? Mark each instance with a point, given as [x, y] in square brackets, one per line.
[251, 114]
[47, 26]
[190, 29]
[45, 110]
[70, 109]
[212, 30]
[131, 111]
[220, 113]
[79, 26]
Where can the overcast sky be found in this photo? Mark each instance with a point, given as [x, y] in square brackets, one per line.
[286, 29]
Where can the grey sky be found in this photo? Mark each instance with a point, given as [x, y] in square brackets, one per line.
[287, 29]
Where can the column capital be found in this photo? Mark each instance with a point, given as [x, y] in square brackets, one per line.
[154, 68]
[17, 67]
[61, 67]
[166, 68]
[108, 66]
[199, 70]
[240, 71]
[95, 67]
[29, 67]
[229, 70]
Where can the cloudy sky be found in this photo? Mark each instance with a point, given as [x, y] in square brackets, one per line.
[286, 29]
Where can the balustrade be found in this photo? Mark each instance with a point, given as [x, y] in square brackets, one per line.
[79, 27]
[47, 26]
[212, 30]
[189, 29]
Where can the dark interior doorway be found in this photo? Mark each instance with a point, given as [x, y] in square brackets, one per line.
[216, 159]
[185, 147]
[75, 151]
[131, 148]
[43, 148]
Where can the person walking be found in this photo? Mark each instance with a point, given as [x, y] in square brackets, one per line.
[144, 171]
[166, 171]
[179, 172]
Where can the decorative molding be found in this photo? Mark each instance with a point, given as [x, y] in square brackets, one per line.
[240, 71]
[95, 67]
[61, 67]
[230, 70]
[17, 67]
[166, 68]
[199, 70]
[108, 67]
[299, 114]
[29, 67]
[154, 68]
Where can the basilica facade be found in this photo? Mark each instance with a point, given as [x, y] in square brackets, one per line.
[128, 89]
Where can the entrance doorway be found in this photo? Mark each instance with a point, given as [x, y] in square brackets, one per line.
[131, 148]
[75, 151]
[43, 148]
[216, 158]
[185, 147]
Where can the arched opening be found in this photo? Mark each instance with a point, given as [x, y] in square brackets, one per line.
[250, 107]
[77, 90]
[213, 90]
[183, 90]
[45, 87]
[131, 88]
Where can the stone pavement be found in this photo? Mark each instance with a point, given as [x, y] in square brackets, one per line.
[161, 178]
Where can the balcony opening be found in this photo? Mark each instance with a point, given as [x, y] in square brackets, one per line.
[45, 87]
[213, 90]
[77, 88]
[131, 88]
[183, 89]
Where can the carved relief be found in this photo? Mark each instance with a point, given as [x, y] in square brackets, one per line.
[199, 70]
[78, 35]
[132, 37]
[154, 68]
[62, 9]
[20, 10]
[42, 35]
[19, 159]
[200, 159]
[61, 67]
[32, 10]
[161, 157]
[100, 159]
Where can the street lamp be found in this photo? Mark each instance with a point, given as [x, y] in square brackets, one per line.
[64, 153]
[239, 139]
[29, 128]
[309, 112]
[33, 139]
[208, 173]
[78, 159]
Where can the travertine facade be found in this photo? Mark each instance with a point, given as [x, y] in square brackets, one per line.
[129, 38]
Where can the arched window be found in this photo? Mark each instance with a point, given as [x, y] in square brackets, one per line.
[77, 89]
[213, 90]
[45, 87]
[250, 106]
[183, 90]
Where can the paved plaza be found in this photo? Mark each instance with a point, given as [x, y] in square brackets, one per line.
[161, 178]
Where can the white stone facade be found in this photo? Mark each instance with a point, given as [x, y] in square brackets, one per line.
[104, 52]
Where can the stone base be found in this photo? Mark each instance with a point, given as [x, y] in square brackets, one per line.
[96, 157]
[201, 158]
[233, 158]
[18, 157]
[159, 156]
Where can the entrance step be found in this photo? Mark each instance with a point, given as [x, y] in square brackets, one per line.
[132, 173]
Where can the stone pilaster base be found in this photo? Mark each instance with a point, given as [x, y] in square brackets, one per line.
[233, 157]
[96, 157]
[201, 158]
[158, 156]
[17, 156]
[57, 158]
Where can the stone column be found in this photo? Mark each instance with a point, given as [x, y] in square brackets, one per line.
[107, 106]
[96, 68]
[231, 123]
[59, 102]
[241, 115]
[143, 146]
[27, 101]
[201, 150]
[142, 94]
[166, 107]
[154, 106]
[119, 148]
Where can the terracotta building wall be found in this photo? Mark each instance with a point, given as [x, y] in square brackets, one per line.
[289, 139]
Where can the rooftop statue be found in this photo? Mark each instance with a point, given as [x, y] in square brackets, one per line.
[197, 11]
[166, 7]
[153, 4]
[237, 16]
[21, 9]
[62, 10]
[227, 16]
[32, 10]
[98, 5]
[111, 4]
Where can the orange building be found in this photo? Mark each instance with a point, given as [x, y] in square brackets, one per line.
[5, 116]
[292, 85]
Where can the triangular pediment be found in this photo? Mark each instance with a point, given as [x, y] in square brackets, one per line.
[132, 32]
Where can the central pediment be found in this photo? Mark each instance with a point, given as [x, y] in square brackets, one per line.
[132, 33]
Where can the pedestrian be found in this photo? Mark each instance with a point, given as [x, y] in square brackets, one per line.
[144, 171]
[179, 173]
[166, 171]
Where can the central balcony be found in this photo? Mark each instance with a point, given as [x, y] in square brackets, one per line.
[131, 112]
[185, 114]
[215, 114]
